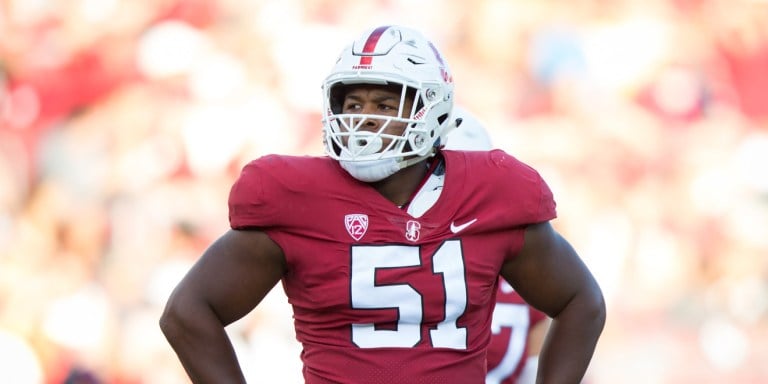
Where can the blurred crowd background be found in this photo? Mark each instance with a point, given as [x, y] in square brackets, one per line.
[123, 124]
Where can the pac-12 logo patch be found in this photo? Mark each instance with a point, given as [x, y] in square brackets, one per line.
[357, 224]
[412, 229]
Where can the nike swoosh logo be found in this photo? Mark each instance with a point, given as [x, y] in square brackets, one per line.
[458, 228]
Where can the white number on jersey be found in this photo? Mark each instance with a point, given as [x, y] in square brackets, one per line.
[366, 294]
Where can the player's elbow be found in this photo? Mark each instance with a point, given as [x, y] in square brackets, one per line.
[587, 308]
[169, 324]
[593, 306]
[172, 320]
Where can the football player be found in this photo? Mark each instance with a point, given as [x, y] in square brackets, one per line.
[389, 248]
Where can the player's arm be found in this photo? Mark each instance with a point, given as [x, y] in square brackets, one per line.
[536, 336]
[550, 276]
[228, 281]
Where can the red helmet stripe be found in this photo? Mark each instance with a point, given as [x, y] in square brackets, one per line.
[370, 44]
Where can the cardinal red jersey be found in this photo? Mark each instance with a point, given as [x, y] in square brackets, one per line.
[380, 296]
[513, 318]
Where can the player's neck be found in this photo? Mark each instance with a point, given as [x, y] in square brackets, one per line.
[403, 185]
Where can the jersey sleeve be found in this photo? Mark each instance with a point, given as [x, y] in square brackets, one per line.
[546, 209]
[527, 188]
[250, 204]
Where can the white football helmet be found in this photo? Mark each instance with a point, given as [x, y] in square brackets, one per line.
[470, 135]
[388, 55]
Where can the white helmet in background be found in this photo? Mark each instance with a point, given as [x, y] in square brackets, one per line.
[395, 56]
[470, 135]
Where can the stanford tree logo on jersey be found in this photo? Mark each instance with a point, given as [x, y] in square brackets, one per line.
[412, 229]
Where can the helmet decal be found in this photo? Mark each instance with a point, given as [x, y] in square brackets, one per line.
[437, 54]
[443, 72]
